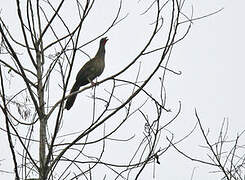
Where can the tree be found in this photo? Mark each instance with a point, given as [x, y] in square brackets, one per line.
[38, 58]
[225, 155]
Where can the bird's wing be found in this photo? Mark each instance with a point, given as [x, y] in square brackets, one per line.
[86, 71]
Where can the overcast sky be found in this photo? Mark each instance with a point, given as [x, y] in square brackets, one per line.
[211, 59]
[212, 81]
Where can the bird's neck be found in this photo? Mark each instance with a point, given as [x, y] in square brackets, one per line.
[101, 52]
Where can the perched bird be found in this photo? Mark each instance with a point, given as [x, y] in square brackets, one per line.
[92, 69]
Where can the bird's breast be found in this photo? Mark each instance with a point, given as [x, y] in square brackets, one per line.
[100, 66]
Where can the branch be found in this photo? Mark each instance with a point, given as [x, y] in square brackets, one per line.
[210, 146]
[7, 127]
[21, 69]
[24, 34]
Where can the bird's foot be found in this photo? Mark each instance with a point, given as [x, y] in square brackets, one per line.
[93, 84]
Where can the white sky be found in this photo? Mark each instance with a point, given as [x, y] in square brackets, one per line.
[211, 61]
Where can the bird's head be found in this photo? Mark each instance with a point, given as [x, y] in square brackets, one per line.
[103, 41]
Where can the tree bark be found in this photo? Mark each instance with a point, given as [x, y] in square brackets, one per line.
[42, 119]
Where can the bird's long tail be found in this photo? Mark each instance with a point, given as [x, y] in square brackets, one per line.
[70, 101]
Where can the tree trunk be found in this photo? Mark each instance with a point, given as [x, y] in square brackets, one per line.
[42, 119]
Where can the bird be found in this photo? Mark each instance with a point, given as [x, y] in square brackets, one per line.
[91, 69]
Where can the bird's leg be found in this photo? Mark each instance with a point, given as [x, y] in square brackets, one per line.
[92, 83]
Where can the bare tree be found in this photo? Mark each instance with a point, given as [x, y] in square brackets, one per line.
[35, 71]
[225, 155]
